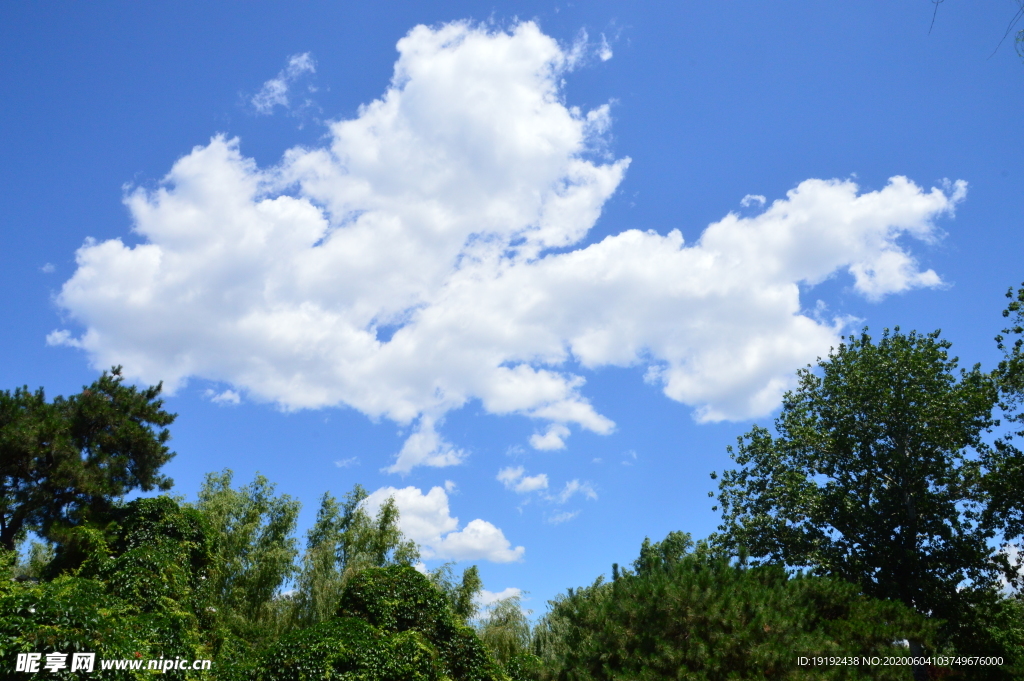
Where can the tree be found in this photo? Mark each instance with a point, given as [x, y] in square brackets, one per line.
[344, 540]
[66, 463]
[141, 592]
[1005, 482]
[391, 623]
[461, 596]
[682, 614]
[254, 545]
[875, 476]
[505, 631]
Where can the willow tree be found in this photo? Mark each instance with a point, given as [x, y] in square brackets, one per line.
[344, 540]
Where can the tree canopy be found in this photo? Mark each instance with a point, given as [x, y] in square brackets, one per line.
[344, 540]
[684, 613]
[391, 624]
[65, 463]
[1005, 482]
[876, 475]
[255, 548]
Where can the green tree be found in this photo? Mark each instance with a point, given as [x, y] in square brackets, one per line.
[1005, 482]
[343, 541]
[65, 463]
[391, 624]
[875, 476]
[690, 614]
[255, 549]
[35, 561]
[461, 595]
[505, 630]
[142, 590]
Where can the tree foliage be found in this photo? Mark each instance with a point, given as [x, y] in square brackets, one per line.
[343, 541]
[1005, 483]
[65, 463]
[141, 591]
[505, 631]
[255, 548]
[682, 613]
[461, 595]
[876, 475]
[392, 624]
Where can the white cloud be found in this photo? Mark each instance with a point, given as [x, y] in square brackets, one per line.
[406, 267]
[571, 489]
[346, 463]
[275, 91]
[426, 447]
[225, 397]
[516, 479]
[1016, 558]
[563, 517]
[752, 199]
[426, 519]
[485, 598]
[62, 337]
[553, 438]
[48, 268]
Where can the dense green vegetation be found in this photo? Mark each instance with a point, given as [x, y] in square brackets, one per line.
[876, 476]
[880, 517]
[696, 615]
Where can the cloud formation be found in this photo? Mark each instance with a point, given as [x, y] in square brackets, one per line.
[485, 599]
[517, 480]
[571, 489]
[274, 92]
[427, 520]
[431, 254]
[553, 437]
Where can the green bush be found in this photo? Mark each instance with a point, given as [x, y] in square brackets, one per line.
[694, 616]
[138, 591]
[392, 625]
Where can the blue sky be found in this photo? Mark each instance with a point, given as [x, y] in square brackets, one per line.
[533, 266]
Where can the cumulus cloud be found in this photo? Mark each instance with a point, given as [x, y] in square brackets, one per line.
[426, 447]
[275, 91]
[553, 437]
[427, 520]
[432, 253]
[517, 480]
[485, 598]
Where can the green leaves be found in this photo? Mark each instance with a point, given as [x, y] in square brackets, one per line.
[876, 475]
[393, 625]
[460, 595]
[65, 463]
[343, 541]
[140, 590]
[693, 615]
[254, 543]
